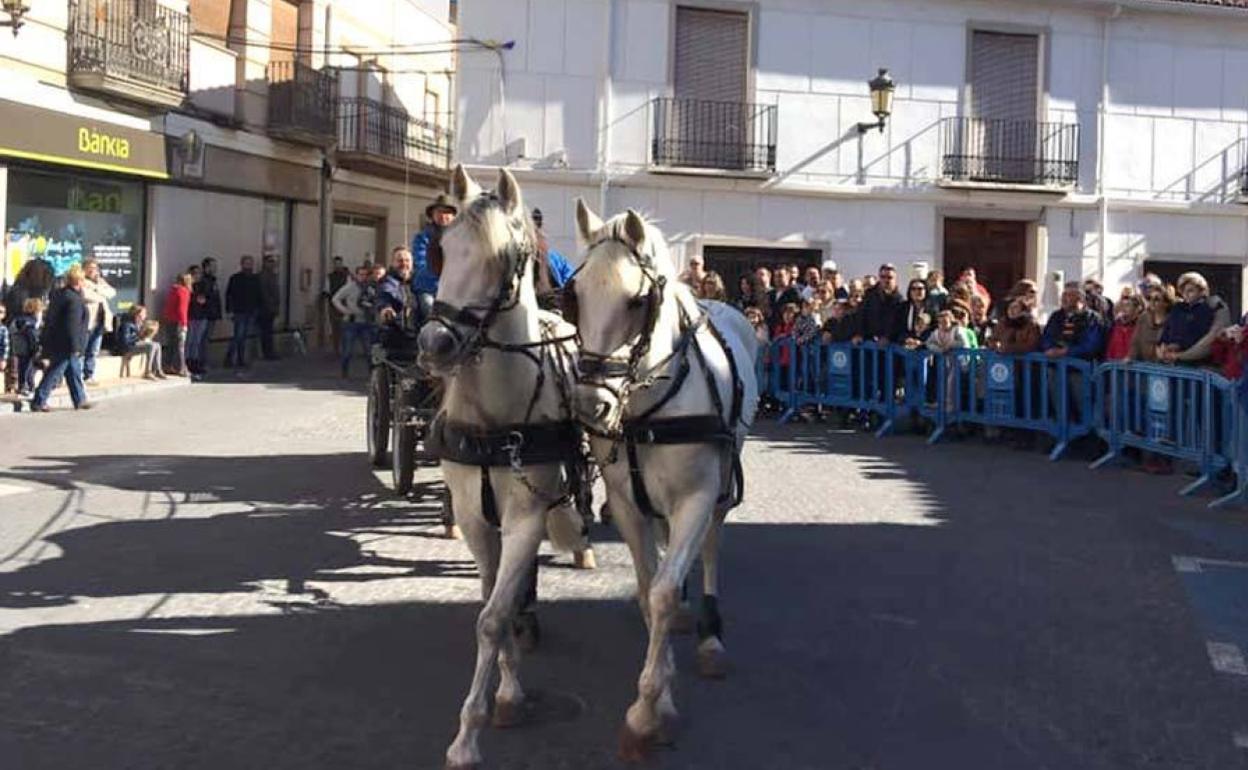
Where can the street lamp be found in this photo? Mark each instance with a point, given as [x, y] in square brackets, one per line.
[16, 9]
[882, 88]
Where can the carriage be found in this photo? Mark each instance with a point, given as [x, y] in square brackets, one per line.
[402, 402]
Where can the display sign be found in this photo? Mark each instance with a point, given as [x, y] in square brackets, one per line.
[55, 137]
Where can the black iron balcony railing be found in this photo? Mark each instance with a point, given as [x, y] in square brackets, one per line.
[730, 136]
[1009, 151]
[368, 127]
[139, 49]
[1243, 182]
[302, 101]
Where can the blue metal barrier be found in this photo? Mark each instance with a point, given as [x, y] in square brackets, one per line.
[924, 391]
[1029, 392]
[1238, 448]
[1187, 414]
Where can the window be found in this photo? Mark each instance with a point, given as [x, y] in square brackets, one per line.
[712, 55]
[1005, 80]
[65, 219]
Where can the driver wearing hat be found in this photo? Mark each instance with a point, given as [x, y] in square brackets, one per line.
[427, 250]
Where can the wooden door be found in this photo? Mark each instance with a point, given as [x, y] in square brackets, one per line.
[996, 248]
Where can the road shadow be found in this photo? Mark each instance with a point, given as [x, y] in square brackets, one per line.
[1034, 622]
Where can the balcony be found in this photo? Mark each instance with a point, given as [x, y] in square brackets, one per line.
[981, 151]
[301, 102]
[695, 134]
[138, 50]
[382, 139]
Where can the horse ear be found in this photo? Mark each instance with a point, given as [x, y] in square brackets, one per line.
[509, 192]
[463, 188]
[634, 228]
[587, 222]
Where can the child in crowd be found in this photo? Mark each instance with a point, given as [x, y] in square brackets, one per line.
[25, 344]
[1127, 316]
[137, 335]
[948, 334]
[937, 294]
[806, 326]
[962, 322]
[922, 329]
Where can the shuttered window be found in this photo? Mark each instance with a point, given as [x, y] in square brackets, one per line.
[1005, 80]
[211, 17]
[712, 54]
[285, 32]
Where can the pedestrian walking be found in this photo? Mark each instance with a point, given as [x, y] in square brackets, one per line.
[270, 306]
[24, 339]
[338, 277]
[204, 314]
[98, 295]
[176, 317]
[65, 341]
[242, 303]
[356, 329]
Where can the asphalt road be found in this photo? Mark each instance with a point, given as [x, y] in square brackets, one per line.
[213, 577]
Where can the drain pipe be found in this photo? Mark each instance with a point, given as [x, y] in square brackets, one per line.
[605, 104]
[1101, 122]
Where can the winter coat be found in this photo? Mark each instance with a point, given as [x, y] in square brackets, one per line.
[65, 324]
[1194, 326]
[937, 300]
[127, 335]
[4, 343]
[206, 299]
[946, 340]
[880, 311]
[907, 323]
[24, 337]
[1016, 336]
[347, 301]
[1081, 334]
[395, 293]
[242, 294]
[270, 293]
[427, 259]
[97, 295]
[1144, 340]
[177, 305]
[1118, 348]
[560, 270]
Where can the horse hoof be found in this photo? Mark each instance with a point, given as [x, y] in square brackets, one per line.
[668, 732]
[634, 747]
[684, 621]
[585, 559]
[712, 659]
[508, 713]
[453, 532]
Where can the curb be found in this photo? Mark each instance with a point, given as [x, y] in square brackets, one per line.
[60, 399]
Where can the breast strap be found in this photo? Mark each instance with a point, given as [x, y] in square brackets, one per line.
[529, 443]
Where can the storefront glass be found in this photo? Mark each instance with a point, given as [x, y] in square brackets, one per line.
[65, 219]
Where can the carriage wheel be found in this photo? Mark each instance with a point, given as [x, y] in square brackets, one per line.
[378, 418]
[403, 458]
[428, 400]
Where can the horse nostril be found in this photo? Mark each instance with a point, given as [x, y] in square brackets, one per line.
[601, 411]
[436, 342]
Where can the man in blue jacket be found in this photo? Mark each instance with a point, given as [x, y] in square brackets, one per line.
[427, 251]
[1072, 332]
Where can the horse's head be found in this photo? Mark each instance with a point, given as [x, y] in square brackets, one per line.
[486, 253]
[615, 301]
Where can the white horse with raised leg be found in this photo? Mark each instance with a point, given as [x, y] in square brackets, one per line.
[505, 430]
[666, 387]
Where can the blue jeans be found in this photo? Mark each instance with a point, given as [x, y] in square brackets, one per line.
[69, 369]
[236, 354]
[93, 350]
[353, 333]
[197, 342]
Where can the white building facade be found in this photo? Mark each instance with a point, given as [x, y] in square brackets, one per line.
[151, 134]
[1028, 139]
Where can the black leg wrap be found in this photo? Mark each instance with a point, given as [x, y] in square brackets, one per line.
[709, 622]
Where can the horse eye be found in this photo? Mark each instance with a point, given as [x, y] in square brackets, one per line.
[635, 302]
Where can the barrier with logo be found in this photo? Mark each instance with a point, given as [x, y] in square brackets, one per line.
[1187, 414]
[1028, 392]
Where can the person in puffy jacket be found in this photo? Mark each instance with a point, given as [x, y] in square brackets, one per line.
[1017, 333]
[1123, 331]
[24, 343]
[1193, 324]
[427, 251]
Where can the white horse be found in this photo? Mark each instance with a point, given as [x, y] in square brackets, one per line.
[504, 430]
[666, 387]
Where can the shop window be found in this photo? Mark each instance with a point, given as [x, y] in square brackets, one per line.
[64, 219]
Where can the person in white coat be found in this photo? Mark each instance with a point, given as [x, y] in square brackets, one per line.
[98, 295]
[352, 301]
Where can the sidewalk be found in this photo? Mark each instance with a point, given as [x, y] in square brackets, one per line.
[11, 404]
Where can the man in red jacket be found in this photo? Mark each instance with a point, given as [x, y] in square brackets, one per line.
[177, 320]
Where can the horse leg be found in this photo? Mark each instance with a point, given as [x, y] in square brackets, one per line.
[712, 657]
[521, 537]
[643, 722]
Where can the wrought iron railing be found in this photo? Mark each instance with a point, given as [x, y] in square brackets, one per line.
[140, 41]
[1009, 151]
[370, 127]
[302, 99]
[1243, 182]
[696, 133]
